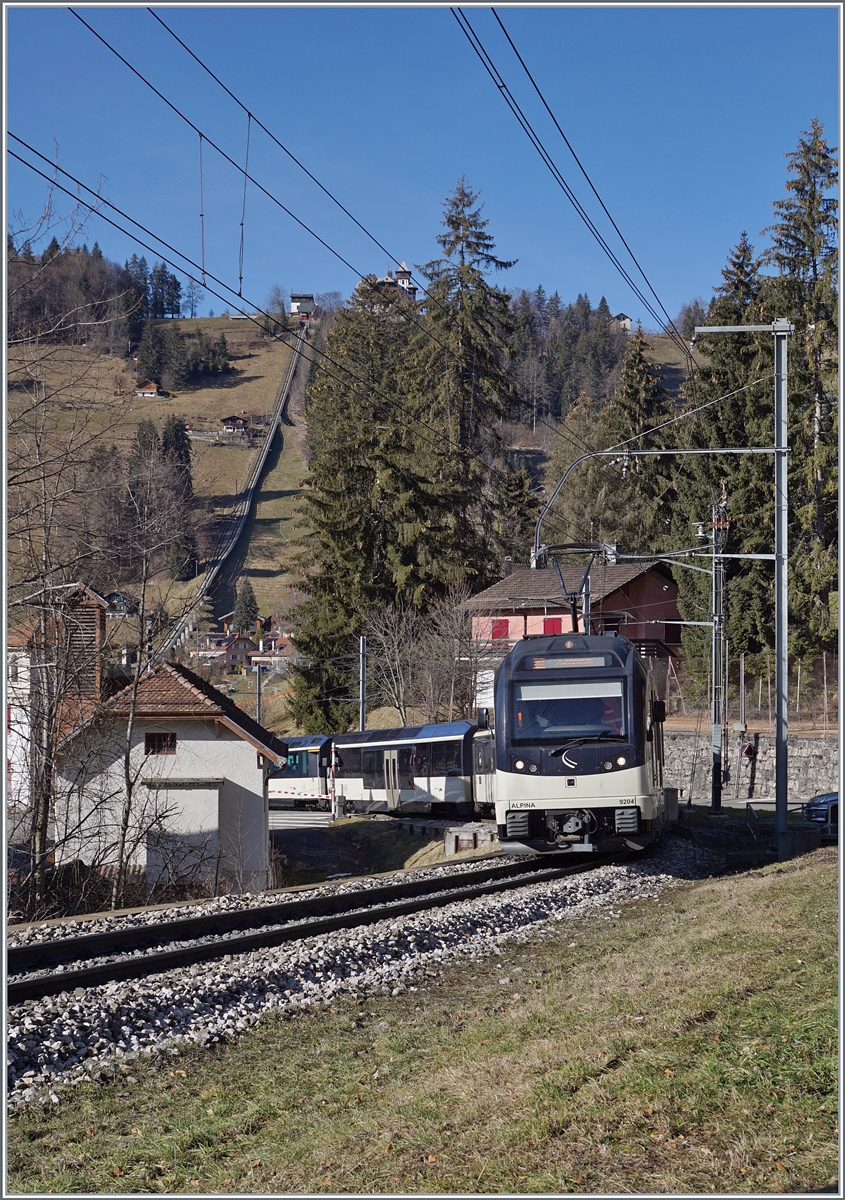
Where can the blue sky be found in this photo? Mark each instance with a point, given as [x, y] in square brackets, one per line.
[681, 115]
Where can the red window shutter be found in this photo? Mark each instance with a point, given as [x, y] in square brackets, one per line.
[552, 624]
[501, 627]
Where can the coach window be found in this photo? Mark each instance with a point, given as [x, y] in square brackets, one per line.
[159, 743]
[373, 768]
[348, 762]
[406, 766]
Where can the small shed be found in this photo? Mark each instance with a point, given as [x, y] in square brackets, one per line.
[147, 389]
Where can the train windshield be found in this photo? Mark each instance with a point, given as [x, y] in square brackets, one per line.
[560, 709]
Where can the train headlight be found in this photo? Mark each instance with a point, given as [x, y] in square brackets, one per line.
[519, 765]
[533, 768]
[607, 765]
[621, 760]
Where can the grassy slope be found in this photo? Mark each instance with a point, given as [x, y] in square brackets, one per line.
[219, 471]
[683, 1046]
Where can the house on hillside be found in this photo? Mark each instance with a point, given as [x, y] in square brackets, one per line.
[636, 600]
[623, 321]
[121, 604]
[400, 282]
[149, 389]
[235, 424]
[302, 305]
[228, 651]
[198, 769]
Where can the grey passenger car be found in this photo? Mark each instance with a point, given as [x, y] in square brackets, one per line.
[823, 810]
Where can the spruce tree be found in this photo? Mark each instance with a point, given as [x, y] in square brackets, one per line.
[183, 559]
[246, 608]
[176, 449]
[151, 360]
[804, 249]
[464, 387]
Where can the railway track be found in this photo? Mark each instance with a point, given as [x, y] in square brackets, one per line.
[41, 969]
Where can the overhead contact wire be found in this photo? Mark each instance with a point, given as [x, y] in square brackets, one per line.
[288, 152]
[534, 138]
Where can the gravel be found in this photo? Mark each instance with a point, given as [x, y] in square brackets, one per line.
[90, 1034]
[55, 931]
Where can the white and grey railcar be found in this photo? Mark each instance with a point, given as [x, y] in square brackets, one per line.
[303, 782]
[579, 747]
[447, 769]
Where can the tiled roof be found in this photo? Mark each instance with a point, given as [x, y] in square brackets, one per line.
[526, 588]
[173, 691]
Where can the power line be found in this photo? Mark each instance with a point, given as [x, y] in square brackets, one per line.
[584, 172]
[285, 150]
[489, 466]
[534, 138]
[237, 167]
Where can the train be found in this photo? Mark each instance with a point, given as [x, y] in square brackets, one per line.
[572, 764]
[579, 747]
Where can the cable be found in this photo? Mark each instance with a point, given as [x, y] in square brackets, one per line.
[289, 153]
[493, 470]
[494, 74]
[584, 173]
[486, 61]
[202, 219]
[360, 274]
[243, 212]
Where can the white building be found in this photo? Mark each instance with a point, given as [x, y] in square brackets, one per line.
[198, 770]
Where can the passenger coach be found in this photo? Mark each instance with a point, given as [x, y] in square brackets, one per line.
[579, 747]
[447, 769]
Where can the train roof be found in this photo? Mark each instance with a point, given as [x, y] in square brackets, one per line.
[571, 644]
[315, 742]
[409, 733]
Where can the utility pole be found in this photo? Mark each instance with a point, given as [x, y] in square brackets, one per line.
[719, 525]
[362, 684]
[258, 692]
[781, 329]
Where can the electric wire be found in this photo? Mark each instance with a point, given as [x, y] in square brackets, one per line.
[336, 253]
[243, 211]
[584, 173]
[289, 153]
[438, 447]
[533, 137]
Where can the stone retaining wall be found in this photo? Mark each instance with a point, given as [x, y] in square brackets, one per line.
[813, 765]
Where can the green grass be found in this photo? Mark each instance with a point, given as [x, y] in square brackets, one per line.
[687, 1046]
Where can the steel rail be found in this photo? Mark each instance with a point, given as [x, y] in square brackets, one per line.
[290, 921]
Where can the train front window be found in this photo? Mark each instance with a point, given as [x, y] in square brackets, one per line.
[556, 709]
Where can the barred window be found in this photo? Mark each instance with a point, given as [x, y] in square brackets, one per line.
[159, 743]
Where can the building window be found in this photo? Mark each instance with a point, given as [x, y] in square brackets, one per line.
[159, 743]
[552, 624]
[13, 671]
[501, 628]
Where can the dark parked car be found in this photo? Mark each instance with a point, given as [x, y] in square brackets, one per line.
[824, 811]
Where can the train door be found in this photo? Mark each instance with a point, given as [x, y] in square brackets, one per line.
[484, 773]
[391, 779]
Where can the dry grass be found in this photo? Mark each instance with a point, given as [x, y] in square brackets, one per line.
[686, 1046]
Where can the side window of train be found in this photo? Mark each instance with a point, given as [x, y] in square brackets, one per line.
[372, 762]
[484, 761]
[446, 758]
[349, 763]
[405, 757]
[422, 759]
